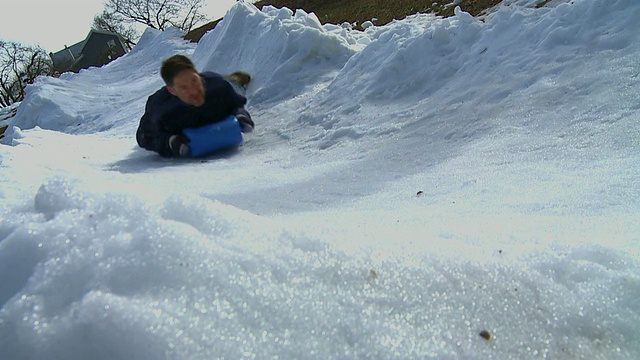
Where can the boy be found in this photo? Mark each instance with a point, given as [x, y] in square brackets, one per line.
[188, 100]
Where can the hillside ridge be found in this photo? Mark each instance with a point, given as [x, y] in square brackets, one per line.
[380, 12]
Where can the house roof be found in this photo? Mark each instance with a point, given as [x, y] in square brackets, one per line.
[69, 53]
[93, 31]
[72, 55]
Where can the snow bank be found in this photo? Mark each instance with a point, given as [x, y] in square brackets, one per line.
[407, 188]
[105, 275]
[8, 112]
[425, 59]
[286, 52]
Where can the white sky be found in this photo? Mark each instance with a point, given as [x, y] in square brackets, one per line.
[55, 23]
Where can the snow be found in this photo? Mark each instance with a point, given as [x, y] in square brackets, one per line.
[406, 187]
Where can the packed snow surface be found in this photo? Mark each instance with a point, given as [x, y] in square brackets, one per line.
[407, 188]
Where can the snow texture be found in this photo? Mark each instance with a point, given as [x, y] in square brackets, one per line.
[407, 188]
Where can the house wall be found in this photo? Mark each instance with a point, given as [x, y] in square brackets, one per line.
[99, 49]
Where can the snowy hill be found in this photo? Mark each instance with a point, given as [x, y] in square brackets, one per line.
[407, 188]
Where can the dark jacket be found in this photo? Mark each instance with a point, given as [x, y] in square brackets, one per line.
[166, 115]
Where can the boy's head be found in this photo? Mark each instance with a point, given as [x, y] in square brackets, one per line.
[174, 65]
[183, 80]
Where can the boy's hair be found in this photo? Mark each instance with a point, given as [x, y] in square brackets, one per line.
[174, 65]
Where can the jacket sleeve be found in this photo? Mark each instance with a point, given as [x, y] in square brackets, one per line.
[150, 134]
[226, 99]
[237, 104]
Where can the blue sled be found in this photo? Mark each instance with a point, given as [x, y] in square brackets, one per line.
[214, 137]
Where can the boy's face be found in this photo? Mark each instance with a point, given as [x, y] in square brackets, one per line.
[188, 87]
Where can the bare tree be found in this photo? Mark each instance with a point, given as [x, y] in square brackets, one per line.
[191, 15]
[20, 65]
[157, 14]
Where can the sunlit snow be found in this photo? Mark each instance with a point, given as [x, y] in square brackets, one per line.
[406, 188]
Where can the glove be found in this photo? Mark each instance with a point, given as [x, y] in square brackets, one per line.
[178, 145]
[246, 124]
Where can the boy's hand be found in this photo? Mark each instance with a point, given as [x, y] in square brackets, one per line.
[246, 124]
[178, 145]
